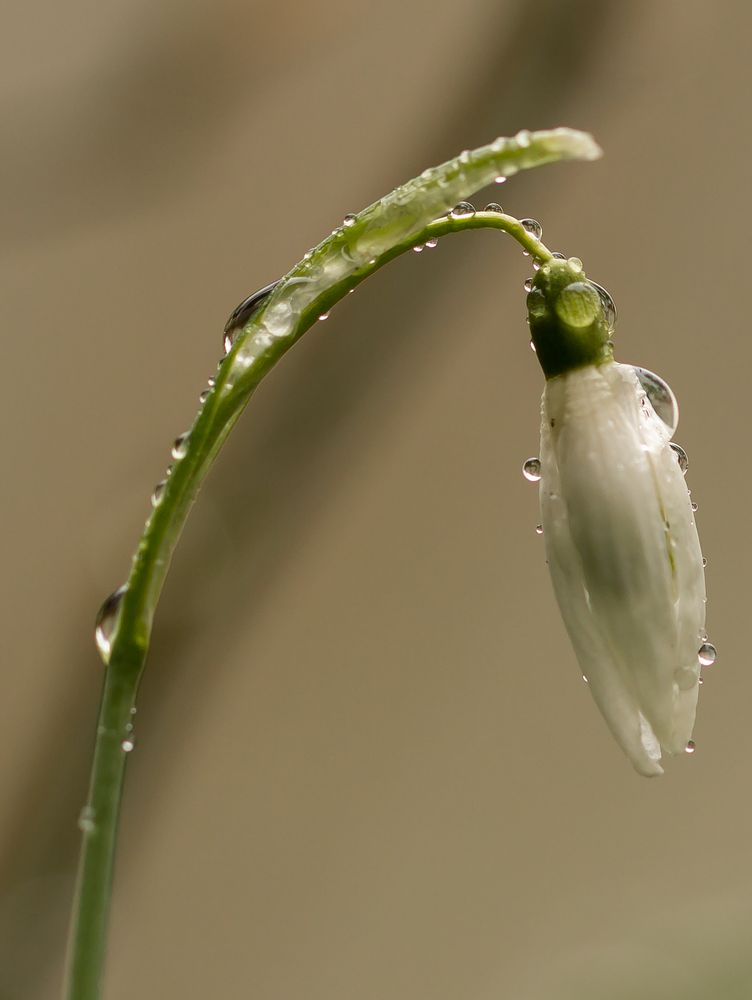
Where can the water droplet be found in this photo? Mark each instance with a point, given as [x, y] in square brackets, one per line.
[575, 263]
[609, 308]
[323, 317]
[661, 398]
[690, 747]
[706, 654]
[156, 497]
[243, 312]
[229, 340]
[418, 248]
[349, 220]
[533, 227]
[528, 284]
[681, 457]
[211, 381]
[533, 348]
[106, 622]
[702, 635]
[500, 179]
[585, 679]
[493, 206]
[704, 562]
[86, 820]
[180, 446]
[523, 138]
[531, 470]
[539, 529]
[128, 744]
[695, 505]
[203, 396]
[433, 242]
[463, 210]
[558, 256]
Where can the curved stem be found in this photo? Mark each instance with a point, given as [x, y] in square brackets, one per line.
[411, 215]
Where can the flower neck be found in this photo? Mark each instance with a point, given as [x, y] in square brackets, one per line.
[568, 321]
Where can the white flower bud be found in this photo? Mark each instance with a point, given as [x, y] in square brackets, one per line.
[624, 556]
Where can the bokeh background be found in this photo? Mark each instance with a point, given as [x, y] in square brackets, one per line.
[366, 763]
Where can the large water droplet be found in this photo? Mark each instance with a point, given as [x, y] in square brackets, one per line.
[531, 470]
[575, 263]
[661, 398]
[493, 206]
[681, 457]
[609, 308]
[707, 654]
[463, 210]
[533, 227]
[180, 446]
[107, 621]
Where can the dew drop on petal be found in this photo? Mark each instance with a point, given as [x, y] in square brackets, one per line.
[107, 620]
[531, 470]
[501, 179]
[695, 506]
[180, 446]
[418, 249]
[323, 317]
[681, 457]
[533, 348]
[704, 562]
[661, 397]
[463, 210]
[539, 529]
[433, 242]
[690, 747]
[706, 654]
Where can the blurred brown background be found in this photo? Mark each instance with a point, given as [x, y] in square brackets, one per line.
[366, 765]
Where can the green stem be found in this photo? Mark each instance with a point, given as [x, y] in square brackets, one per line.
[410, 216]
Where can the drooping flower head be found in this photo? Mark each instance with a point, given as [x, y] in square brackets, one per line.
[618, 523]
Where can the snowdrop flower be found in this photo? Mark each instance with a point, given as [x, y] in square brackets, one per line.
[618, 524]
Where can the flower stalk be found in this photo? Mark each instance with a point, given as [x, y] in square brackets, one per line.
[414, 214]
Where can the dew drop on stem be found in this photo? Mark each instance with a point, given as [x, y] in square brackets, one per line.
[180, 446]
[463, 210]
[107, 621]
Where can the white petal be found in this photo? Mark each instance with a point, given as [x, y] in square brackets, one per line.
[624, 556]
